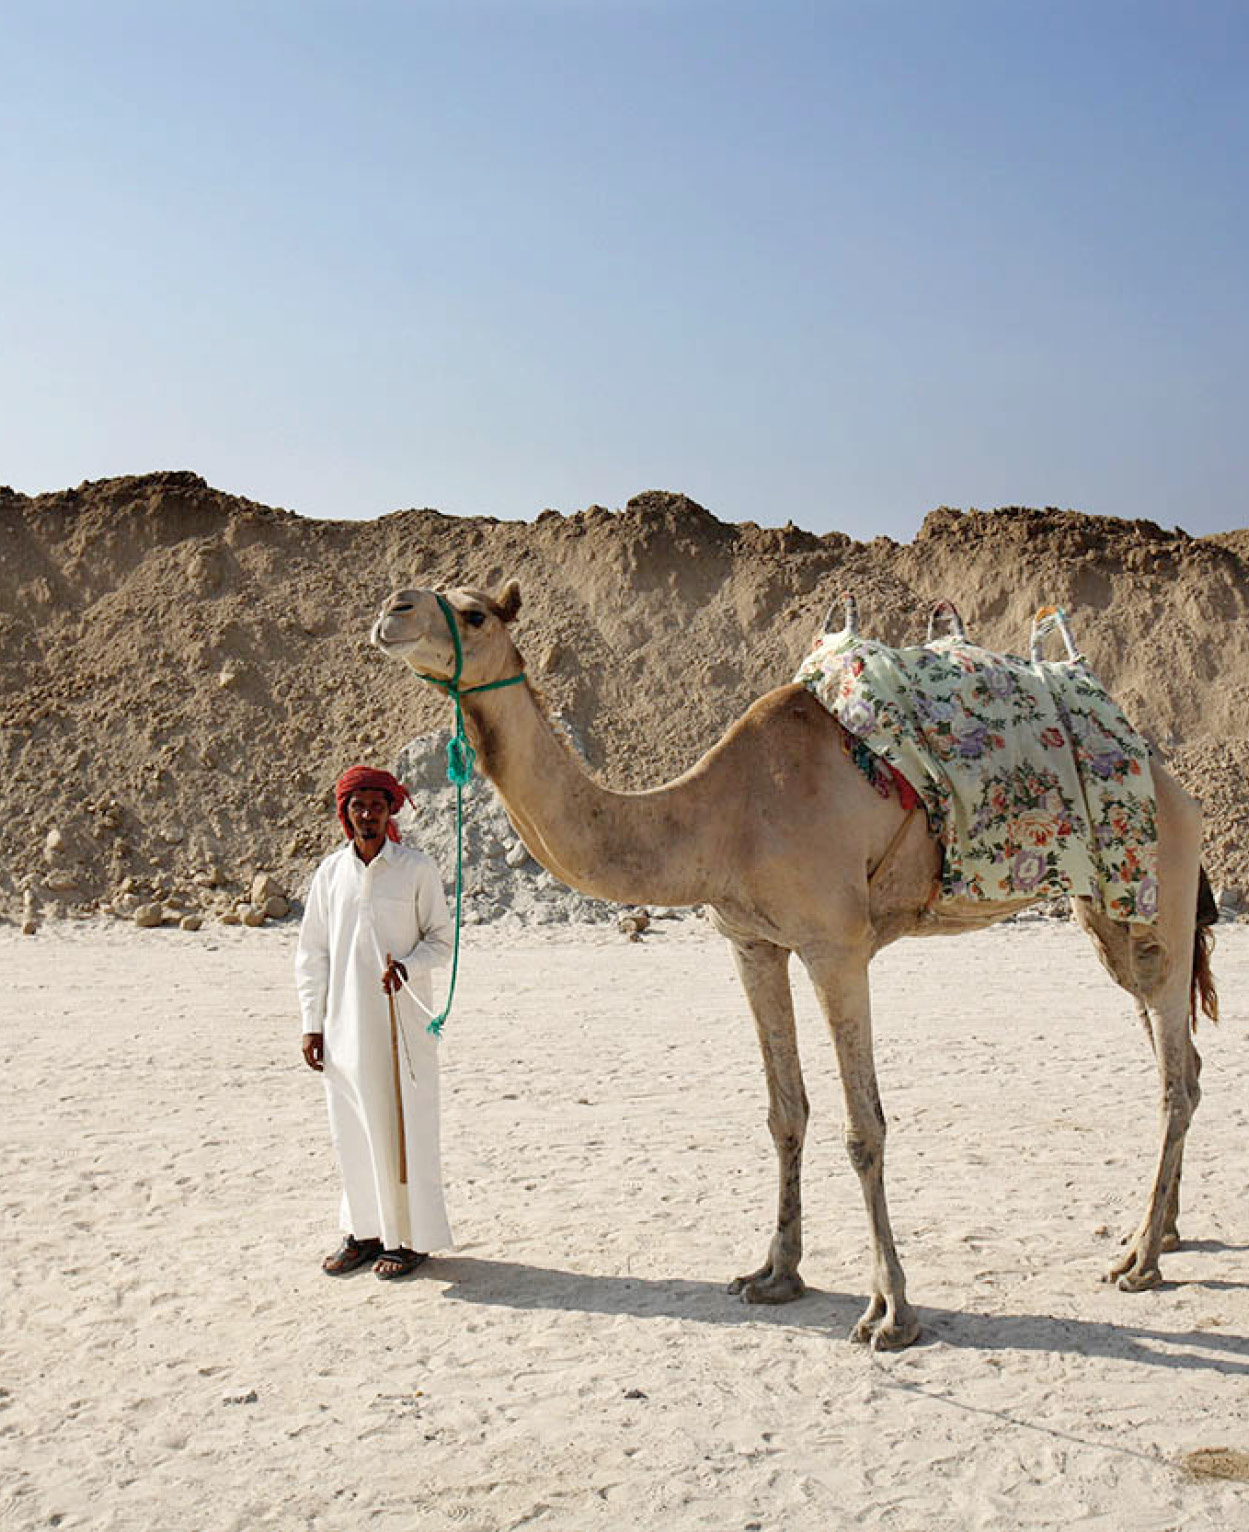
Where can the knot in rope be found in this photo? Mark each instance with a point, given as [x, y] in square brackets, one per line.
[460, 754]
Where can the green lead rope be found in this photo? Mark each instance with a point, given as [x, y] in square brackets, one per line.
[460, 760]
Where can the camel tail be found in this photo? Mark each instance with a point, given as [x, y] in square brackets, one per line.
[1203, 992]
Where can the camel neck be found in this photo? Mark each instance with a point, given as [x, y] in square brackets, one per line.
[633, 848]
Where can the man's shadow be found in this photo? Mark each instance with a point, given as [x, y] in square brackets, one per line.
[515, 1285]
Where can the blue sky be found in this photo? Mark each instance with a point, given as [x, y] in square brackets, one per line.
[837, 263]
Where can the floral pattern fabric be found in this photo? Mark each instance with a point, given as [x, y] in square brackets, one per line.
[1033, 780]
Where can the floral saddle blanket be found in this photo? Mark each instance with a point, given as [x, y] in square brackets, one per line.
[1033, 780]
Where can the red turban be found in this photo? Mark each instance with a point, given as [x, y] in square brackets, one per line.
[369, 780]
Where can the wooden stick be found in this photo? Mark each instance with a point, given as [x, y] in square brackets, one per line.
[394, 1059]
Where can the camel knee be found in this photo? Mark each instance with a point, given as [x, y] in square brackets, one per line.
[787, 1143]
[1179, 1102]
[788, 1126]
[865, 1152]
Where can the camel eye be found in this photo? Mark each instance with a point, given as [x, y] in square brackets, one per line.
[474, 619]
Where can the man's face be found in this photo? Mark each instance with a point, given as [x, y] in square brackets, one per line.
[368, 813]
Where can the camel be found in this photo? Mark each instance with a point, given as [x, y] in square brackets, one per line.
[777, 832]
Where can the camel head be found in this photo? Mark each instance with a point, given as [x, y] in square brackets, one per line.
[413, 627]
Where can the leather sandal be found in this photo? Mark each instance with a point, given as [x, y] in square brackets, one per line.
[351, 1253]
[398, 1263]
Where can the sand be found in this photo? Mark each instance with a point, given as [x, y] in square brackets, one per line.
[173, 1358]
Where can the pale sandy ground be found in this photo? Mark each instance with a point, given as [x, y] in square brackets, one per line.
[173, 1359]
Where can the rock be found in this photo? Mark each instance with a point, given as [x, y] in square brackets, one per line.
[29, 927]
[517, 855]
[60, 880]
[231, 673]
[251, 915]
[149, 915]
[54, 844]
[191, 922]
[231, 918]
[265, 886]
[110, 815]
[1229, 899]
[276, 907]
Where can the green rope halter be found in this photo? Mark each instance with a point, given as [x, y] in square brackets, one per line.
[460, 759]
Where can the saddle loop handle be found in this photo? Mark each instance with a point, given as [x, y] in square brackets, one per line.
[851, 607]
[948, 611]
[1047, 620]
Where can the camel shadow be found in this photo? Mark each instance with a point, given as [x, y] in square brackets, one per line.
[1216, 1246]
[516, 1285]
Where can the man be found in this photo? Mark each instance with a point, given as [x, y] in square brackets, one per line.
[376, 920]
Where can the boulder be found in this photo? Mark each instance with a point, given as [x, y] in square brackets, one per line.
[265, 886]
[191, 922]
[149, 915]
[276, 907]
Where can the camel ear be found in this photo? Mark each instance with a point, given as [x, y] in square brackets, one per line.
[507, 600]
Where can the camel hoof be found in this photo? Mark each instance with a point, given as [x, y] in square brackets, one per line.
[1138, 1281]
[883, 1331]
[762, 1287]
[1171, 1240]
[896, 1337]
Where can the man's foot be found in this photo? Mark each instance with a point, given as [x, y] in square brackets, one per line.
[398, 1263]
[350, 1254]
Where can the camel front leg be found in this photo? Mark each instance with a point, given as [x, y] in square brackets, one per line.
[889, 1322]
[764, 972]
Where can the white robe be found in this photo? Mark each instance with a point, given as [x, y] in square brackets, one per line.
[355, 915]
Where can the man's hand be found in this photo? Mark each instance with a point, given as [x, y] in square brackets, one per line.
[394, 978]
[313, 1045]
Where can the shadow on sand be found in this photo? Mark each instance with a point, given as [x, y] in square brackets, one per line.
[514, 1285]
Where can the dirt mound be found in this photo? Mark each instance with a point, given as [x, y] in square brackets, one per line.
[183, 673]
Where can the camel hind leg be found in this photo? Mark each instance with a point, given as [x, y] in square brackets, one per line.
[1155, 965]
